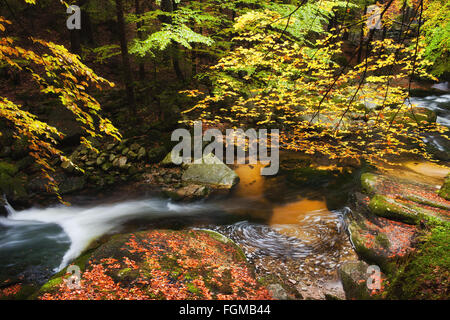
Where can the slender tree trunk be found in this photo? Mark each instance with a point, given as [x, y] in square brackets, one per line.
[75, 41]
[168, 6]
[127, 75]
[141, 37]
[361, 37]
[84, 35]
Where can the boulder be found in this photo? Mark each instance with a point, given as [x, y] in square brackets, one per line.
[171, 159]
[71, 184]
[161, 264]
[354, 277]
[388, 207]
[381, 241]
[444, 192]
[211, 171]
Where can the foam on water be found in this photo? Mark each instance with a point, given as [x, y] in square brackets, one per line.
[84, 224]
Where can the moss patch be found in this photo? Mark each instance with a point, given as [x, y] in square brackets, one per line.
[387, 207]
[426, 275]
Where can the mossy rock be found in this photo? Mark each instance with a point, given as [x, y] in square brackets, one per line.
[371, 251]
[444, 192]
[210, 171]
[164, 264]
[416, 115]
[426, 275]
[56, 281]
[13, 186]
[8, 168]
[353, 275]
[387, 207]
[17, 291]
[369, 182]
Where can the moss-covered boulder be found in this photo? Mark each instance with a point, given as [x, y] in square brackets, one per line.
[444, 192]
[388, 207]
[426, 275]
[382, 241]
[163, 264]
[12, 182]
[416, 115]
[370, 182]
[354, 275]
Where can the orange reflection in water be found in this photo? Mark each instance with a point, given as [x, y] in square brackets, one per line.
[251, 182]
[292, 213]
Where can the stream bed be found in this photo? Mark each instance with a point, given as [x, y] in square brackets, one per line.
[286, 232]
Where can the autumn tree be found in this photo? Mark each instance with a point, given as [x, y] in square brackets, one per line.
[56, 72]
[276, 77]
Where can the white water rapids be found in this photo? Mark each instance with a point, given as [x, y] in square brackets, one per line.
[84, 224]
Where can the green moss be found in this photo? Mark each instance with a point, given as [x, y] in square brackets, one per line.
[51, 284]
[444, 192]
[353, 276]
[388, 208]
[8, 168]
[426, 275]
[369, 182]
[221, 238]
[369, 254]
[192, 288]
[123, 272]
[383, 240]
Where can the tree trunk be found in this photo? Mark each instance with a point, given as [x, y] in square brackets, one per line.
[361, 37]
[127, 75]
[168, 6]
[141, 37]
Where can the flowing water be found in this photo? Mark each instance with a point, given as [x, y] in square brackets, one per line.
[265, 216]
[279, 227]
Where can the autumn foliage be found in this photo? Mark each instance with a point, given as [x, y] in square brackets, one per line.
[165, 265]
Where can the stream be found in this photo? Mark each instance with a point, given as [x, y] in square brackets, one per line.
[280, 228]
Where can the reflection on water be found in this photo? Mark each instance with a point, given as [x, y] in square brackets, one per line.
[428, 169]
[294, 227]
[419, 171]
[251, 183]
[266, 217]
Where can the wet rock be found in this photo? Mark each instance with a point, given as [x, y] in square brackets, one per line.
[141, 153]
[211, 171]
[135, 147]
[100, 161]
[106, 166]
[387, 207]
[162, 264]
[125, 151]
[122, 162]
[354, 280]
[110, 146]
[191, 192]
[131, 155]
[277, 291]
[382, 241]
[72, 184]
[444, 192]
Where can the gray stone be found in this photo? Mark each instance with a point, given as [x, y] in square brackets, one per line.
[211, 171]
